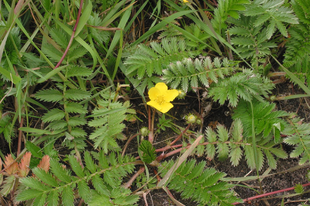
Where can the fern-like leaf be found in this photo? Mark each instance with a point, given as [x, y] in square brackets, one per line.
[189, 73]
[52, 115]
[299, 137]
[297, 55]
[224, 10]
[60, 187]
[273, 12]
[146, 62]
[109, 124]
[201, 185]
[78, 71]
[50, 95]
[244, 85]
[76, 94]
[265, 118]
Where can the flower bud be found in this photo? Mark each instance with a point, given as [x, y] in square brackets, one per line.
[191, 119]
[182, 94]
[144, 131]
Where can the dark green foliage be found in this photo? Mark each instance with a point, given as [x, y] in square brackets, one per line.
[56, 48]
[266, 119]
[225, 9]
[298, 135]
[12, 47]
[6, 127]
[271, 13]
[66, 121]
[232, 144]
[243, 85]
[108, 118]
[98, 35]
[148, 61]
[192, 74]
[148, 152]
[202, 185]
[250, 41]
[297, 55]
[93, 183]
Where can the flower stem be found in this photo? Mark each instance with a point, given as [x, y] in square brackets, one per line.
[72, 35]
[151, 126]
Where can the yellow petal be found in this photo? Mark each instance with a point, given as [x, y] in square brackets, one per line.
[162, 87]
[171, 95]
[154, 93]
[165, 107]
[154, 104]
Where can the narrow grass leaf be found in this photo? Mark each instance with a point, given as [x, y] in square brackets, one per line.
[84, 17]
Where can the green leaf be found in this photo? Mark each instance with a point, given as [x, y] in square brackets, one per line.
[84, 190]
[235, 156]
[61, 173]
[50, 95]
[76, 167]
[99, 199]
[37, 131]
[9, 75]
[249, 156]
[53, 198]
[76, 121]
[237, 130]
[299, 188]
[40, 200]
[89, 162]
[149, 154]
[282, 28]
[51, 74]
[222, 133]
[271, 160]
[75, 94]
[127, 200]
[52, 115]
[99, 185]
[73, 107]
[67, 196]
[28, 194]
[34, 149]
[34, 184]
[279, 153]
[45, 177]
[78, 71]
[84, 18]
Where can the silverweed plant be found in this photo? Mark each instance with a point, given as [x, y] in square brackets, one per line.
[89, 99]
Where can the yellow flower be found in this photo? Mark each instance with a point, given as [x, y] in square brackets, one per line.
[185, 1]
[161, 97]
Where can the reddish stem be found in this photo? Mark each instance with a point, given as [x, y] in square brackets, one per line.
[72, 35]
[127, 143]
[269, 193]
[174, 141]
[129, 183]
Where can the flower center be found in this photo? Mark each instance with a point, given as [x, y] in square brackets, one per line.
[160, 99]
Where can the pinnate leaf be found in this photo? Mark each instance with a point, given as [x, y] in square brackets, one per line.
[50, 95]
[75, 94]
[52, 115]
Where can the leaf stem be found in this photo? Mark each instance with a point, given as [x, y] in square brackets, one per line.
[269, 193]
[72, 35]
